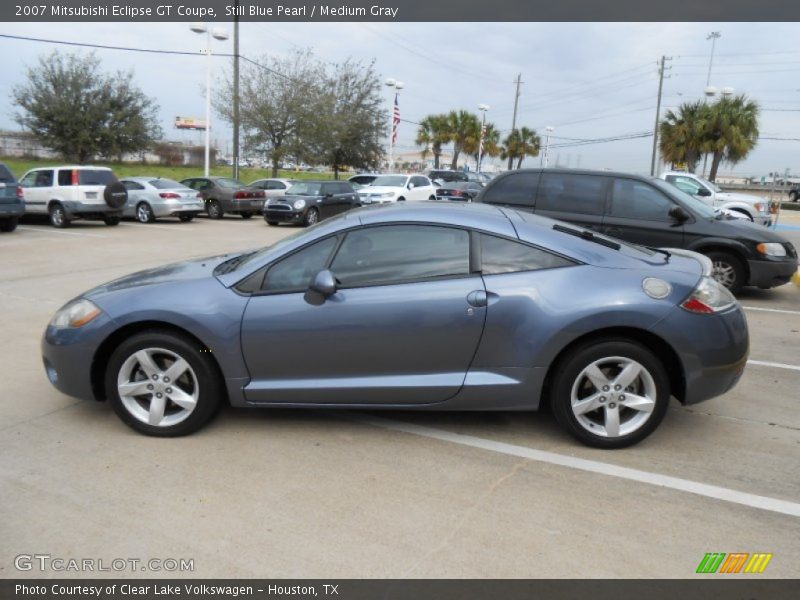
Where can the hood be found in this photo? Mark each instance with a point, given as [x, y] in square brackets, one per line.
[200, 268]
[739, 197]
[292, 197]
[749, 230]
[380, 189]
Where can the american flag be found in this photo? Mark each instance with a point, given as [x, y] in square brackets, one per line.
[480, 146]
[395, 120]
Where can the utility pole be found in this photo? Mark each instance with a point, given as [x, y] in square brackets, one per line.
[514, 118]
[236, 92]
[661, 70]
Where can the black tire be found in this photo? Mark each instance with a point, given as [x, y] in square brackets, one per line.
[273, 223]
[8, 224]
[115, 195]
[186, 218]
[204, 379]
[144, 213]
[214, 210]
[58, 216]
[401, 199]
[794, 196]
[112, 221]
[432, 198]
[728, 270]
[312, 217]
[246, 215]
[569, 374]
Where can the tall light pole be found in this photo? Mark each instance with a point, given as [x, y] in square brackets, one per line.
[220, 34]
[713, 36]
[483, 108]
[546, 156]
[394, 115]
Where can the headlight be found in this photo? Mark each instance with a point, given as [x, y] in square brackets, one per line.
[75, 314]
[298, 204]
[771, 249]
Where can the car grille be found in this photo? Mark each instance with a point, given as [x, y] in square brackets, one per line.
[278, 207]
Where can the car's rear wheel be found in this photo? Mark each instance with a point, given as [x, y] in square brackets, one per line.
[144, 213]
[246, 215]
[186, 218]
[112, 221]
[161, 384]
[311, 218]
[214, 209]
[727, 270]
[610, 394]
[273, 223]
[8, 224]
[58, 216]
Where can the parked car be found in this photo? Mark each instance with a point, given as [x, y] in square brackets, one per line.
[652, 212]
[362, 179]
[74, 192]
[440, 176]
[273, 188]
[425, 306]
[12, 205]
[794, 193]
[152, 197]
[397, 188]
[755, 209]
[227, 195]
[308, 202]
[463, 191]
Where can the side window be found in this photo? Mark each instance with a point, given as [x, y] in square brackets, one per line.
[637, 200]
[685, 184]
[295, 272]
[518, 189]
[190, 183]
[344, 188]
[499, 255]
[44, 179]
[400, 253]
[419, 181]
[64, 177]
[568, 193]
[29, 180]
[132, 186]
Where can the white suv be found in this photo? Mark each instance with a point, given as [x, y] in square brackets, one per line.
[751, 207]
[77, 192]
[397, 188]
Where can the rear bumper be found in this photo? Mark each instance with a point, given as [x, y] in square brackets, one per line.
[89, 211]
[769, 273]
[166, 210]
[246, 206]
[12, 209]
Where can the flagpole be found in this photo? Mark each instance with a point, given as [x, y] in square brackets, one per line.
[483, 108]
[395, 118]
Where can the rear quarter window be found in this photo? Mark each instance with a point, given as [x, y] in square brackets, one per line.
[95, 177]
[570, 193]
[518, 189]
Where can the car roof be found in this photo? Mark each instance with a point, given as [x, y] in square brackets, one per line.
[597, 172]
[72, 167]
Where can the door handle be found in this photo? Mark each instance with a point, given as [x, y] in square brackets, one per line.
[477, 298]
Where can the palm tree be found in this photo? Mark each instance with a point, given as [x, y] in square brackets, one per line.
[464, 129]
[682, 134]
[433, 133]
[521, 143]
[732, 131]
[491, 143]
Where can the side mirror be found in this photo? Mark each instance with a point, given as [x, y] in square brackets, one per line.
[679, 214]
[411, 186]
[704, 192]
[322, 287]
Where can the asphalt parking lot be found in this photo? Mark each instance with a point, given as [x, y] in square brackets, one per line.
[324, 494]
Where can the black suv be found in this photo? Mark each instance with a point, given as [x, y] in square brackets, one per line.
[308, 202]
[651, 212]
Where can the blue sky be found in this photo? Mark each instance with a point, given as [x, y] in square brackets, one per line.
[588, 80]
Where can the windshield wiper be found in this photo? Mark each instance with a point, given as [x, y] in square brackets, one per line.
[661, 250]
[231, 264]
[585, 234]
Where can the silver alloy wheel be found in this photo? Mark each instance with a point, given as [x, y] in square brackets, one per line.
[724, 273]
[158, 387]
[143, 213]
[312, 217]
[613, 397]
[214, 211]
[57, 216]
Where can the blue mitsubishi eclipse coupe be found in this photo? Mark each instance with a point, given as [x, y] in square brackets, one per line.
[425, 306]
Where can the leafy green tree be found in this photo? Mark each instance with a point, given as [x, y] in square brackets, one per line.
[682, 134]
[72, 107]
[433, 133]
[491, 143]
[463, 128]
[519, 144]
[731, 131]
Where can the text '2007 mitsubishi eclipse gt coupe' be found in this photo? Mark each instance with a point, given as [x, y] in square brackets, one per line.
[424, 306]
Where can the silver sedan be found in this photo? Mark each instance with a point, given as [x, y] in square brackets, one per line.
[273, 188]
[152, 197]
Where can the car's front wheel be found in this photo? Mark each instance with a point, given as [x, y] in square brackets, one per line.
[311, 218]
[144, 213]
[728, 270]
[610, 394]
[163, 384]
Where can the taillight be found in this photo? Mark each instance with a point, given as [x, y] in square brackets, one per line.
[199, 195]
[261, 194]
[708, 297]
[20, 192]
[172, 195]
[75, 177]
[456, 193]
[240, 195]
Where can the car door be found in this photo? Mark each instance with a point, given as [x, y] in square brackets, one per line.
[347, 196]
[575, 198]
[35, 198]
[399, 330]
[330, 202]
[422, 189]
[639, 213]
[135, 195]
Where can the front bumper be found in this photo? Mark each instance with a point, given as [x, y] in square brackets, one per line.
[712, 350]
[771, 273]
[284, 216]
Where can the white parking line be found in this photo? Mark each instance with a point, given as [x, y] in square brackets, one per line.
[693, 487]
[765, 363]
[49, 231]
[773, 310]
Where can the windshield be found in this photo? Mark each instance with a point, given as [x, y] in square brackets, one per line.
[248, 257]
[708, 184]
[304, 189]
[390, 181]
[165, 184]
[694, 204]
[226, 182]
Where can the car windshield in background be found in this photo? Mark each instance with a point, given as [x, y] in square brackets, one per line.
[448, 175]
[255, 255]
[304, 189]
[95, 177]
[165, 184]
[389, 181]
[697, 205]
[226, 182]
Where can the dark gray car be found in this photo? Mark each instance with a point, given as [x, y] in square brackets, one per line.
[308, 202]
[429, 306]
[12, 206]
[227, 195]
